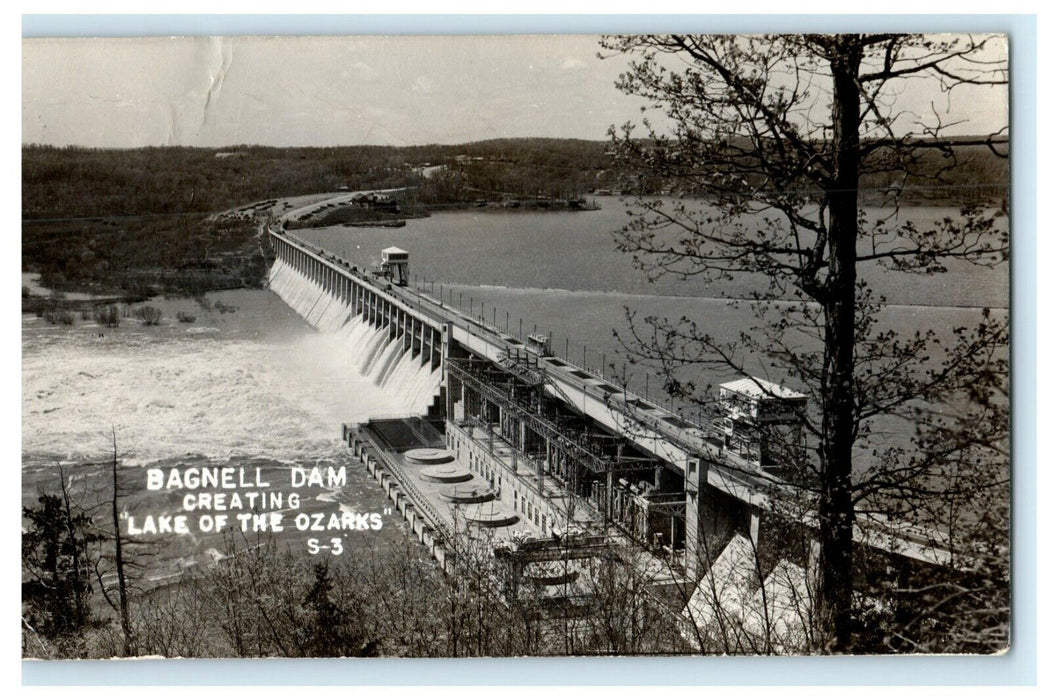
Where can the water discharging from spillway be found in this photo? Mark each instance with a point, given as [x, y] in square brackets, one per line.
[373, 353]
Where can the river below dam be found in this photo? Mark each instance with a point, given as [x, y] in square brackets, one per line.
[251, 383]
[255, 387]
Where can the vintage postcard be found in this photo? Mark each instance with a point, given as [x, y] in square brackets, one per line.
[503, 346]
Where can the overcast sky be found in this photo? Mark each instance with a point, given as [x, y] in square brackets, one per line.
[327, 91]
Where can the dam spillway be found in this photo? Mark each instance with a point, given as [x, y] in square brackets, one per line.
[381, 352]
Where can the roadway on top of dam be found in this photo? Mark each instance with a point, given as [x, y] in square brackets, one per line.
[317, 205]
[658, 431]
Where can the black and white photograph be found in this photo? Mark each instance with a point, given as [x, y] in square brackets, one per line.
[531, 345]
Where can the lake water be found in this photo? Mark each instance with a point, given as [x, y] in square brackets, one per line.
[576, 251]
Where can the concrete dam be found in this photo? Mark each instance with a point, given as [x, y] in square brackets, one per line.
[516, 455]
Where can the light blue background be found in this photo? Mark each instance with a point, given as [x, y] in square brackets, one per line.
[1017, 667]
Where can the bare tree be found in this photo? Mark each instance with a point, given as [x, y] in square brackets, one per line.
[121, 569]
[118, 557]
[777, 133]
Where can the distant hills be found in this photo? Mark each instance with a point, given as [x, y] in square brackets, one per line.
[70, 182]
[137, 221]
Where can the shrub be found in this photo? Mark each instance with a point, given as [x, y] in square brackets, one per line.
[108, 316]
[149, 315]
[185, 317]
[59, 317]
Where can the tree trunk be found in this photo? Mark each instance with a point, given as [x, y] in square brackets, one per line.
[118, 554]
[836, 510]
[71, 531]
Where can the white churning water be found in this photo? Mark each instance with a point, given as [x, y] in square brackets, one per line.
[370, 350]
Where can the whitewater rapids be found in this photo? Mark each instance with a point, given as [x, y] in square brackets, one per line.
[173, 392]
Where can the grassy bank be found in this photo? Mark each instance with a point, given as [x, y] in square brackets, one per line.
[136, 257]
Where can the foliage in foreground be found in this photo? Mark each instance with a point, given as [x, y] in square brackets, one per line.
[768, 126]
[260, 600]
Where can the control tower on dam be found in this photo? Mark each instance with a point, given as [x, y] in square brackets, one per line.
[555, 462]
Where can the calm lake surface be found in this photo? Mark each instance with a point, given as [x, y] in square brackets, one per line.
[576, 251]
